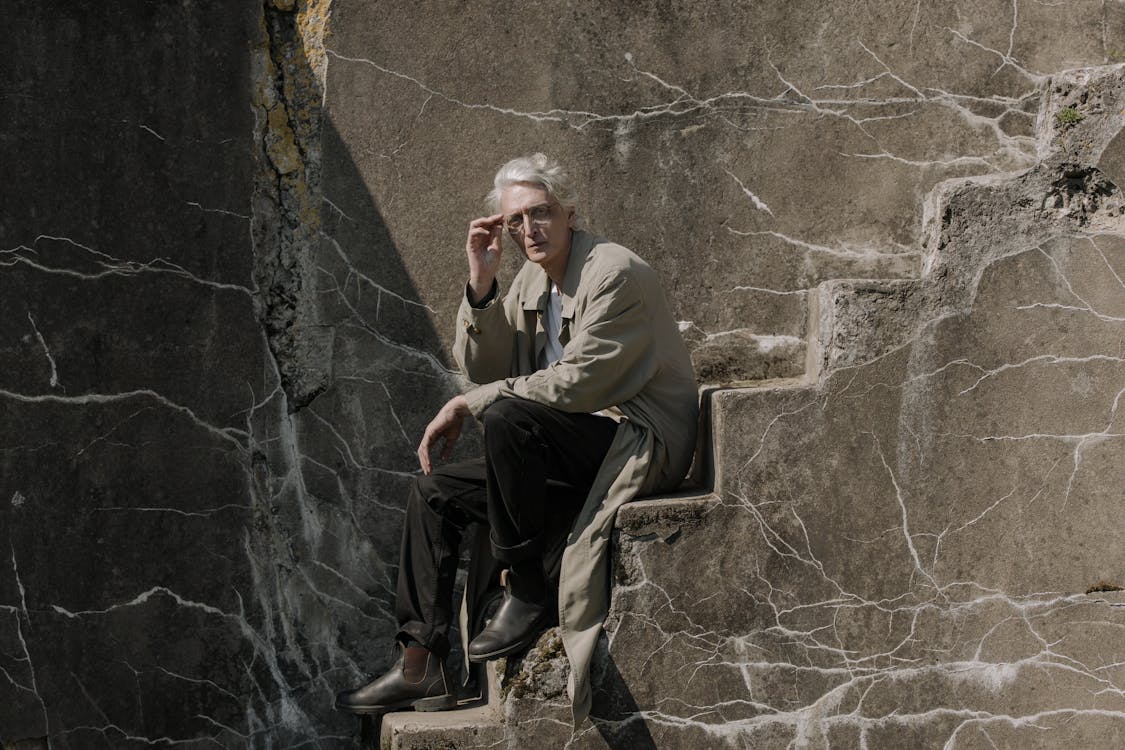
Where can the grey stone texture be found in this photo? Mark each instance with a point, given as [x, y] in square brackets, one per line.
[230, 253]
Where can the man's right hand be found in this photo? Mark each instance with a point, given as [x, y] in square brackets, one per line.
[483, 247]
[446, 426]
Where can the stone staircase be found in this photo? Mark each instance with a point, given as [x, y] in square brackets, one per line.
[477, 725]
[881, 559]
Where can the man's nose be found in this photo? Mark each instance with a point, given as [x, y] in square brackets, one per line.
[530, 228]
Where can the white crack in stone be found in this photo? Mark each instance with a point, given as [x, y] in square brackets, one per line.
[150, 131]
[108, 265]
[344, 449]
[104, 437]
[54, 378]
[223, 211]
[1085, 305]
[842, 252]
[361, 278]
[764, 290]
[175, 511]
[326, 598]
[909, 381]
[337, 209]
[1072, 308]
[1047, 359]
[1006, 58]
[1018, 148]
[387, 587]
[394, 415]
[864, 672]
[245, 736]
[758, 202]
[23, 616]
[185, 678]
[956, 161]
[790, 99]
[765, 433]
[550, 116]
[1079, 441]
[144, 597]
[110, 730]
[358, 319]
[230, 435]
[278, 593]
[289, 713]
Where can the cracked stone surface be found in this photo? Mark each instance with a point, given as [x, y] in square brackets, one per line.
[230, 251]
[749, 153]
[918, 548]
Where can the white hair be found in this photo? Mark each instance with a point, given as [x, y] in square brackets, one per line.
[537, 169]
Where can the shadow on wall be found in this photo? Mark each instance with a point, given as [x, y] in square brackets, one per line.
[358, 438]
[615, 712]
[362, 280]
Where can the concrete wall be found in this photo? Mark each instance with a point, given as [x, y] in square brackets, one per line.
[155, 217]
[917, 549]
[230, 250]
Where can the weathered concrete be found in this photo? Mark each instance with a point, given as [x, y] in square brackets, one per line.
[919, 547]
[748, 151]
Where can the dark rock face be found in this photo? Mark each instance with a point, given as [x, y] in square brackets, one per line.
[192, 549]
[230, 251]
[133, 363]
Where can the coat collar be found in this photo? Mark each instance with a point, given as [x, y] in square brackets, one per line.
[581, 243]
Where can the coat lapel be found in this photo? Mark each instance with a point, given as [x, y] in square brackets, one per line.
[580, 245]
[535, 305]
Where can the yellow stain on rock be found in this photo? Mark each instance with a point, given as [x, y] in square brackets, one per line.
[280, 143]
[312, 25]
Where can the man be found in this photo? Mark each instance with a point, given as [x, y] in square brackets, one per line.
[587, 398]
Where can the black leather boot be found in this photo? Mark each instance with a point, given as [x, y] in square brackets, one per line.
[521, 617]
[417, 681]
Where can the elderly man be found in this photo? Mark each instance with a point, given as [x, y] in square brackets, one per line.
[587, 398]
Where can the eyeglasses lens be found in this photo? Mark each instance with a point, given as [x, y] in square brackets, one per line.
[539, 216]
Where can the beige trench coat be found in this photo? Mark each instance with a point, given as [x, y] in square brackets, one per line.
[622, 352]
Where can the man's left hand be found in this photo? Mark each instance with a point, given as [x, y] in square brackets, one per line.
[446, 425]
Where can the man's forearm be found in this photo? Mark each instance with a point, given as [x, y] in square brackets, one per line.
[482, 347]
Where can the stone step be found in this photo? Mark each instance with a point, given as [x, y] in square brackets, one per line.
[526, 697]
[477, 724]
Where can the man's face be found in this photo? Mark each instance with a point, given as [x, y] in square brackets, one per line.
[539, 225]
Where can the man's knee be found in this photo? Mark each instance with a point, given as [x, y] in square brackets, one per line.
[444, 493]
[515, 416]
[505, 409]
[428, 495]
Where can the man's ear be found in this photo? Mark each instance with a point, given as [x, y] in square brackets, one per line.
[571, 217]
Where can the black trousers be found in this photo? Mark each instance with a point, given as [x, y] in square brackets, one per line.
[538, 466]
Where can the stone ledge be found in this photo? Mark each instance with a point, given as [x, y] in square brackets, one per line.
[477, 725]
[653, 515]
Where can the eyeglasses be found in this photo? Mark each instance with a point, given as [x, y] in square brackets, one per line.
[539, 216]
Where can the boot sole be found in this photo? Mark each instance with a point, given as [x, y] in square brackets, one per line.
[512, 648]
[436, 703]
[439, 703]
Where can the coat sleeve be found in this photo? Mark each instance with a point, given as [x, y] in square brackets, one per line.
[608, 360]
[484, 343]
